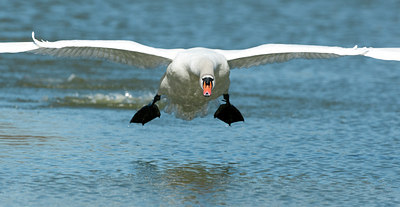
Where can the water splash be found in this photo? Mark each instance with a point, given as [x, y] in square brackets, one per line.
[101, 100]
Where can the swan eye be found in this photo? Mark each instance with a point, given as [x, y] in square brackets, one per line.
[208, 81]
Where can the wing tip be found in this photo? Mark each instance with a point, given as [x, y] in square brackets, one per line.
[36, 41]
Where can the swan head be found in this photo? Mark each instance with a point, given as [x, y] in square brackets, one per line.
[207, 84]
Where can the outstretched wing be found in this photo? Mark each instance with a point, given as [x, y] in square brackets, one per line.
[273, 53]
[121, 51]
[16, 47]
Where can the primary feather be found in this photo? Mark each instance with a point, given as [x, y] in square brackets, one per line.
[121, 51]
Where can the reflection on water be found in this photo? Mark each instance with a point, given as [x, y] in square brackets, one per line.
[7, 139]
[145, 184]
[191, 183]
[12, 135]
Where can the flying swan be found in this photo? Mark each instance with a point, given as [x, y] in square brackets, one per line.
[193, 76]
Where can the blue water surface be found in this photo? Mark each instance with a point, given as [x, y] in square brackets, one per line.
[316, 133]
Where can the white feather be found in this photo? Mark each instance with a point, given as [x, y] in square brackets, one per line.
[16, 47]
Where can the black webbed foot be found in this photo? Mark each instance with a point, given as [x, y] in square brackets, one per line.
[228, 113]
[147, 113]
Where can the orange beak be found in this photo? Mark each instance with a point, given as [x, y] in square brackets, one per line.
[207, 89]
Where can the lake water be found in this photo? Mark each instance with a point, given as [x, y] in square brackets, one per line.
[316, 132]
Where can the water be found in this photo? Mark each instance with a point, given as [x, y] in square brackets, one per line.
[317, 132]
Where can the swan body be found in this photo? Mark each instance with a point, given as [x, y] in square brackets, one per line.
[193, 76]
[181, 82]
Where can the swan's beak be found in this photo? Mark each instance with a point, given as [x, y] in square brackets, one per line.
[207, 89]
[207, 86]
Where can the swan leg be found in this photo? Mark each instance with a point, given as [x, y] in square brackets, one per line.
[227, 112]
[147, 113]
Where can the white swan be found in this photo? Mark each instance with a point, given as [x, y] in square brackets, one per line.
[193, 76]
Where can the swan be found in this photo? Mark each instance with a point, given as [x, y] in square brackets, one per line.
[194, 76]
